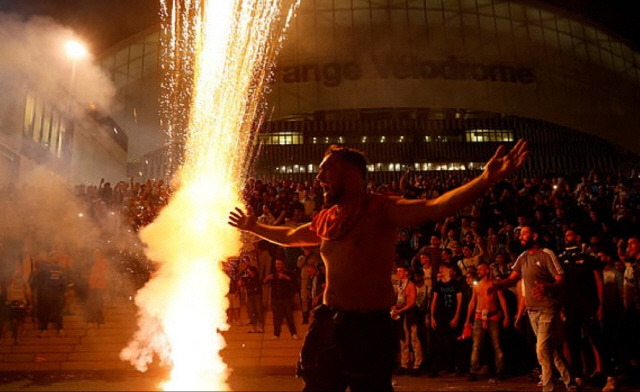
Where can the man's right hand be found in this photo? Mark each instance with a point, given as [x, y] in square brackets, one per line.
[242, 221]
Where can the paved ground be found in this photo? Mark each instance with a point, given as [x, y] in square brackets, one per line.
[277, 379]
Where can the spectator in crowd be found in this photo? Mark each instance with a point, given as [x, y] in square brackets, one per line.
[405, 312]
[98, 282]
[18, 300]
[282, 287]
[500, 269]
[470, 260]
[52, 285]
[445, 315]
[423, 297]
[309, 257]
[543, 277]
[631, 300]
[483, 315]
[582, 303]
[250, 281]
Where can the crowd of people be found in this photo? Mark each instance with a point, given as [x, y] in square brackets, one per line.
[453, 277]
[62, 247]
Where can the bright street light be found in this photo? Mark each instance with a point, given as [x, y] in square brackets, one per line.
[75, 50]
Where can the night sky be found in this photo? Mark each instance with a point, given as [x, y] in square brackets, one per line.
[105, 22]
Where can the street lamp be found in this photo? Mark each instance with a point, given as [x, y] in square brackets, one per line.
[75, 51]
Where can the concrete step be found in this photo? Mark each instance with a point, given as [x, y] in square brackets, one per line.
[92, 348]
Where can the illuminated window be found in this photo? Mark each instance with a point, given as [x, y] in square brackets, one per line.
[282, 138]
[489, 135]
[44, 125]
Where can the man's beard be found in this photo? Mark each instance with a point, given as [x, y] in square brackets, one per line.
[333, 196]
[529, 244]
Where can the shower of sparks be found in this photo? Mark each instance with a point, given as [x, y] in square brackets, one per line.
[183, 307]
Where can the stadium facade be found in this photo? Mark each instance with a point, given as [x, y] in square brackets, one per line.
[428, 85]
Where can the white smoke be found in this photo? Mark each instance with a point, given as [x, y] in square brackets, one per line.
[34, 59]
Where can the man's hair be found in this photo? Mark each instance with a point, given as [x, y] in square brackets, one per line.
[351, 155]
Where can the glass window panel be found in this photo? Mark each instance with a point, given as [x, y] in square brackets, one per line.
[60, 138]
[150, 65]
[343, 20]
[122, 57]
[29, 112]
[504, 26]
[120, 79]
[618, 64]
[593, 53]
[135, 69]
[398, 17]
[535, 33]
[324, 4]
[551, 38]
[37, 123]
[590, 33]
[46, 126]
[487, 23]
[379, 4]
[452, 19]
[360, 4]
[562, 25]
[470, 21]
[55, 130]
[136, 50]
[434, 17]
[607, 59]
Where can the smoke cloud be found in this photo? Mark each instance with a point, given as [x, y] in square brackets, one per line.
[34, 59]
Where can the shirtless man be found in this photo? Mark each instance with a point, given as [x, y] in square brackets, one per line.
[484, 303]
[351, 341]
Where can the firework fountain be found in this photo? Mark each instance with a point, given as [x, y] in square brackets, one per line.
[217, 61]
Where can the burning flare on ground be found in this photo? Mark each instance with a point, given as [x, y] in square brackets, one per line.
[182, 309]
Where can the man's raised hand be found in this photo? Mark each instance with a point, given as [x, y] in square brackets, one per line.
[503, 163]
[242, 221]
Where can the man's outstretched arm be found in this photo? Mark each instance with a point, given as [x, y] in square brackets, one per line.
[281, 235]
[502, 164]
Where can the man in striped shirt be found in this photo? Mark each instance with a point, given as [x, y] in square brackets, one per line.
[543, 278]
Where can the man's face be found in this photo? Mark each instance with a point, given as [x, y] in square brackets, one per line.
[332, 179]
[425, 259]
[483, 270]
[401, 272]
[500, 258]
[279, 265]
[570, 238]
[466, 251]
[435, 241]
[526, 237]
